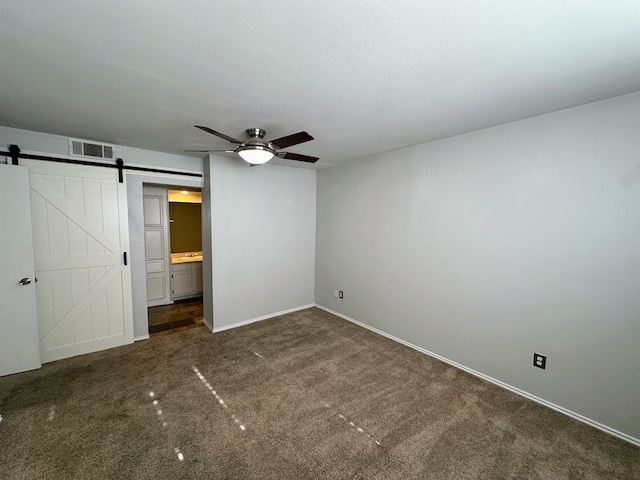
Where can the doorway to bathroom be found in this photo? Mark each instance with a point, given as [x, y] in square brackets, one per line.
[173, 257]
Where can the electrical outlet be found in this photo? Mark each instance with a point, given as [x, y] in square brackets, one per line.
[335, 293]
[340, 294]
[539, 361]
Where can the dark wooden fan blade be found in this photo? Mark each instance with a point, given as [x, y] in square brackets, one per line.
[297, 156]
[218, 134]
[290, 140]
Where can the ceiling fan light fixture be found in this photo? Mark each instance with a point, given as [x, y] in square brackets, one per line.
[257, 151]
[256, 154]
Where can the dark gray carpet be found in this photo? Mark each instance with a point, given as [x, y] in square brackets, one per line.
[302, 396]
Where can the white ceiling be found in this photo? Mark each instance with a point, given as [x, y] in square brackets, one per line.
[362, 76]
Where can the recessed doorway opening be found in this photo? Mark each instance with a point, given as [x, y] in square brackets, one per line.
[173, 257]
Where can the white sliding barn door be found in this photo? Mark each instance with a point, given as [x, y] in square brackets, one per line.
[80, 232]
[19, 350]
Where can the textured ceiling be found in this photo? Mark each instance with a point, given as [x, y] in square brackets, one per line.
[362, 77]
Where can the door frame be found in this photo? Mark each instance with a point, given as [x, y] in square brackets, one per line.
[136, 240]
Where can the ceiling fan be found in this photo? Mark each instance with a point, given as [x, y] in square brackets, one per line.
[257, 151]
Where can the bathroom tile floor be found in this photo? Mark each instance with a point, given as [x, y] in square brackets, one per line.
[181, 315]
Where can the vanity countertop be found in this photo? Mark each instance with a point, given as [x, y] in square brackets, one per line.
[186, 257]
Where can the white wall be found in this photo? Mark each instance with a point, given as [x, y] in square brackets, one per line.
[486, 247]
[263, 224]
[58, 145]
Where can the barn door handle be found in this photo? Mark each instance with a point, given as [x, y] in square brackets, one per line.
[124, 256]
[25, 281]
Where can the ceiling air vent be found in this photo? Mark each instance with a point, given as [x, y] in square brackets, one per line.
[84, 148]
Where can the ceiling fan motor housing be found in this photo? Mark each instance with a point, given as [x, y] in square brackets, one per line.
[255, 132]
[254, 142]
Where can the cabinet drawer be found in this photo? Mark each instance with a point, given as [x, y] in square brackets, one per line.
[181, 267]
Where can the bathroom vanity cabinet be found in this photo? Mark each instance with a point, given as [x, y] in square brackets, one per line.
[186, 279]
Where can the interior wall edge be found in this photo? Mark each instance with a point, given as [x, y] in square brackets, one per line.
[506, 386]
[208, 324]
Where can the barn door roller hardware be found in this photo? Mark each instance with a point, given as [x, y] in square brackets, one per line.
[15, 154]
[14, 150]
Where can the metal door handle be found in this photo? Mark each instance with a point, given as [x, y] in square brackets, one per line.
[25, 281]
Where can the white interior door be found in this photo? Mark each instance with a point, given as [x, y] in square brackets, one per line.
[80, 232]
[19, 350]
[156, 245]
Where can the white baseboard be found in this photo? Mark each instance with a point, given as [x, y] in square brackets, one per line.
[264, 317]
[141, 337]
[506, 386]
